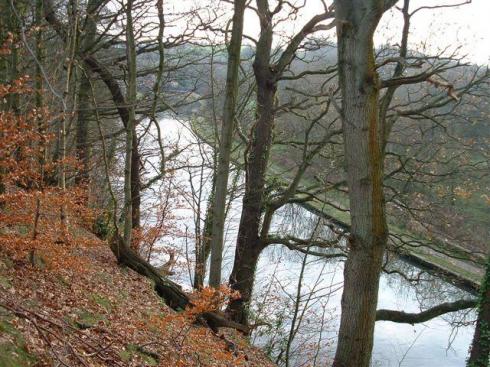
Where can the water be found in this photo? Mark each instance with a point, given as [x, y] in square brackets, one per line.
[434, 343]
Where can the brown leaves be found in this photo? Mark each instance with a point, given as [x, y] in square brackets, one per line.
[123, 319]
[30, 198]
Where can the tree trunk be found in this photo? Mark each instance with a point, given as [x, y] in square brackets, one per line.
[242, 279]
[123, 107]
[203, 245]
[39, 84]
[70, 63]
[250, 242]
[249, 245]
[227, 129]
[83, 119]
[130, 138]
[480, 347]
[135, 180]
[84, 103]
[363, 141]
[13, 72]
[171, 292]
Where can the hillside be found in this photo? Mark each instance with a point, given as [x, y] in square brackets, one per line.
[94, 313]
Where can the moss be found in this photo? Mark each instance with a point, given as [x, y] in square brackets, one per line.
[86, 319]
[5, 283]
[104, 277]
[102, 301]
[125, 355]
[12, 355]
[6, 263]
[7, 328]
[63, 281]
[13, 352]
[132, 350]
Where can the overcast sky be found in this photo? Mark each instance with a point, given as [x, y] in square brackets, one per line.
[467, 25]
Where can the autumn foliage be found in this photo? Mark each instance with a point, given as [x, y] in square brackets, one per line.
[63, 297]
[30, 198]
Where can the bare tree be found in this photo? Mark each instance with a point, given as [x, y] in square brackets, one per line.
[267, 73]
[366, 128]
[227, 129]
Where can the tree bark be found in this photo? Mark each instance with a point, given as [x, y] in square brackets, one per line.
[203, 246]
[227, 129]
[480, 347]
[242, 280]
[429, 314]
[363, 142]
[81, 138]
[171, 292]
[135, 180]
[84, 104]
[249, 245]
[131, 100]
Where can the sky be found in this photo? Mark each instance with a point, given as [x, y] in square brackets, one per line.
[466, 25]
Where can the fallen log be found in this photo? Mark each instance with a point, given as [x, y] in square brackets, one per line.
[169, 291]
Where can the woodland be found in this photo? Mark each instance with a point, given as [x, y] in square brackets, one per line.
[242, 183]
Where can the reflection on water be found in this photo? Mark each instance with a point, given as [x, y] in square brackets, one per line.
[434, 343]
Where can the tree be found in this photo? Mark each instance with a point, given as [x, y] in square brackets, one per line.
[363, 146]
[227, 129]
[86, 54]
[366, 129]
[131, 122]
[268, 72]
[480, 347]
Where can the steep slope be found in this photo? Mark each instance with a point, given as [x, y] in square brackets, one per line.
[88, 311]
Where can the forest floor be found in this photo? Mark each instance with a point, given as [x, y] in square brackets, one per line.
[85, 310]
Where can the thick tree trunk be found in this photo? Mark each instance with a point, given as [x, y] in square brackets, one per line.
[363, 141]
[250, 241]
[242, 279]
[249, 244]
[480, 347]
[227, 129]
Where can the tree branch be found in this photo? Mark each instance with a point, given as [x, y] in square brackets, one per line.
[417, 318]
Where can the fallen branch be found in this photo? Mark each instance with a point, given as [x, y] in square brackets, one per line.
[170, 291]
